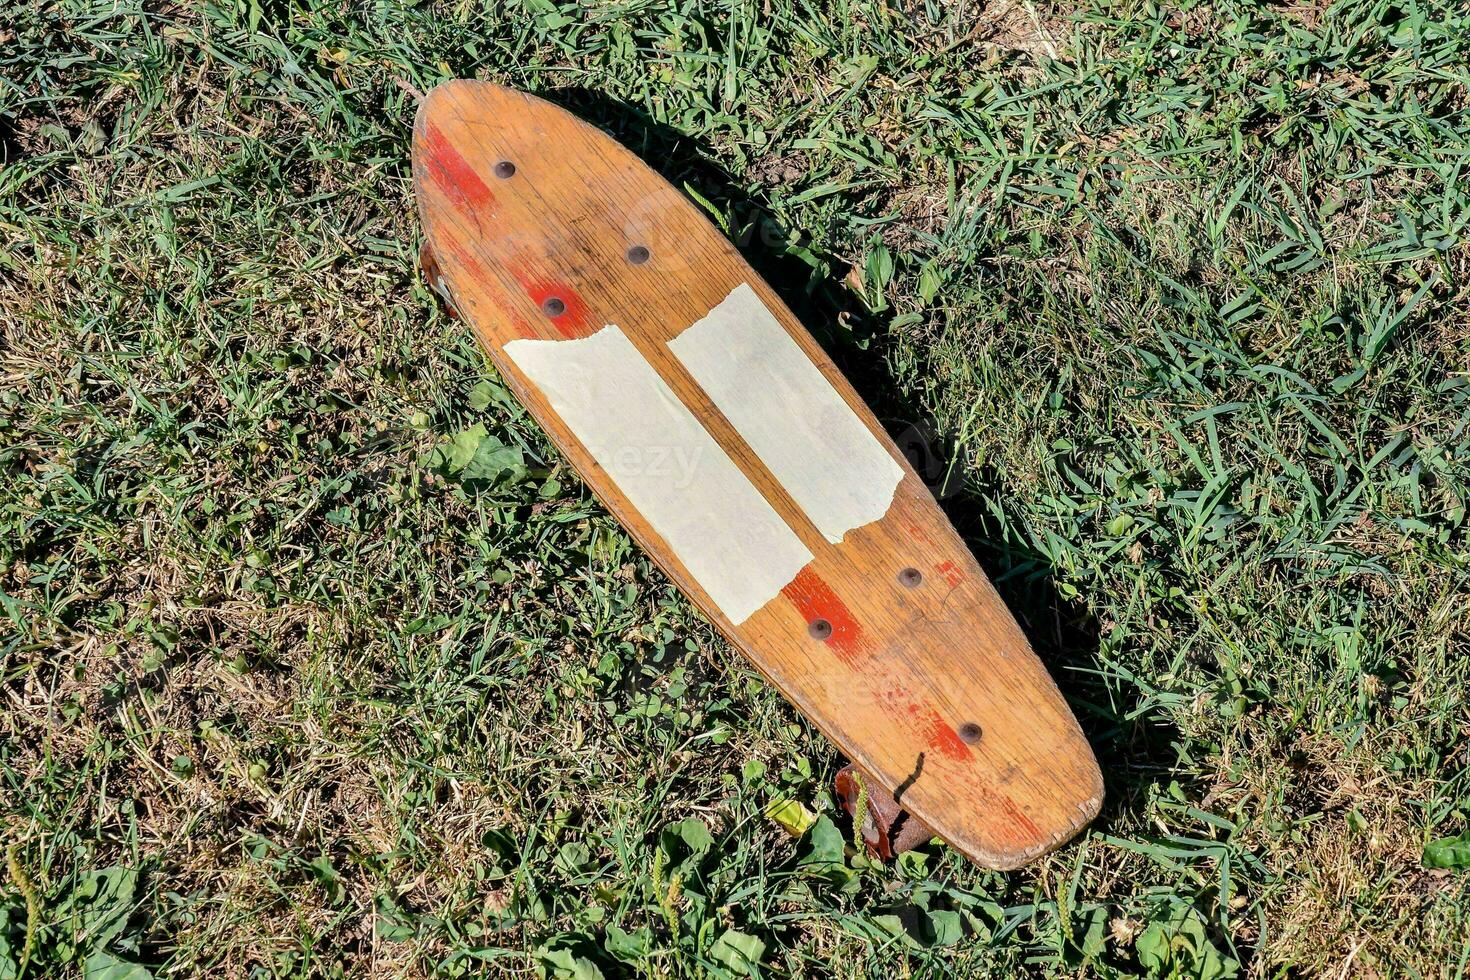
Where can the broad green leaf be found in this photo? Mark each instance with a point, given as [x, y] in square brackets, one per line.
[825, 843]
[914, 864]
[945, 927]
[572, 857]
[1448, 852]
[494, 462]
[685, 842]
[824, 853]
[9, 955]
[102, 965]
[98, 906]
[455, 454]
[877, 273]
[1092, 937]
[738, 950]
[391, 922]
[563, 964]
[1176, 945]
[894, 927]
[791, 815]
[1152, 949]
[983, 919]
[930, 279]
[630, 947]
[329, 878]
[485, 393]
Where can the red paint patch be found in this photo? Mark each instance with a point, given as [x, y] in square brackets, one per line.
[575, 320]
[951, 573]
[918, 532]
[938, 736]
[942, 739]
[815, 600]
[488, 282]
[453, 173]
[1013, 813]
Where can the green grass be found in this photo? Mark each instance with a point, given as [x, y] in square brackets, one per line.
[1183, 289]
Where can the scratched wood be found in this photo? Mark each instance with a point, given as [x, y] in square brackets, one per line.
[932, 690]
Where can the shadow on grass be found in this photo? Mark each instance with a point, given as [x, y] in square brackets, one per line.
[1063, 632]
[10, 148]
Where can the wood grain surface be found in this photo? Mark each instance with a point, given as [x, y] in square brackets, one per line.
[930, 688]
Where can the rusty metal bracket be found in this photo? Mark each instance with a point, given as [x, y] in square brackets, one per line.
[887, 828]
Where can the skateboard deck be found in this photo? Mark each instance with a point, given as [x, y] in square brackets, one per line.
[708, 421]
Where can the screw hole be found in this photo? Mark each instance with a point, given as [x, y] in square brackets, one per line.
[505, 169]
[553, 306]
[638, 254]
[820, 629]
[969, 733]
[911, 577]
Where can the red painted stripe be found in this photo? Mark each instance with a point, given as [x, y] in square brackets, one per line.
[453, 173]
[815, 600]
[951, 573]
[576, 321]
[939, 737]
[944, 739]
[485, 280]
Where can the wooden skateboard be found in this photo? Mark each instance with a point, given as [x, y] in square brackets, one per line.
[711, 424]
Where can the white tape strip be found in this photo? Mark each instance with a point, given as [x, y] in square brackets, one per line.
[789, 413]
[671, 470]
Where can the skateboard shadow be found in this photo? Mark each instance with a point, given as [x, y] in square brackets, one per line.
[1064, 633]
